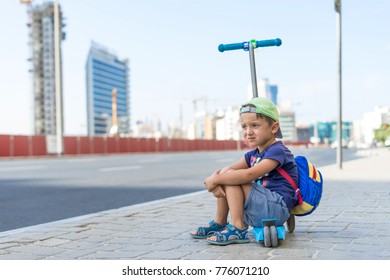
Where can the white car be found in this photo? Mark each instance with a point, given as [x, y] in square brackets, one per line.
[335, 144]
[387, 142]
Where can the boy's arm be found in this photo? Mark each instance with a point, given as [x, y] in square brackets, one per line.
[240, 164]
[241, 176]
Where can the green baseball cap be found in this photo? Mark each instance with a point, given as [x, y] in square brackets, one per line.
[264, 106]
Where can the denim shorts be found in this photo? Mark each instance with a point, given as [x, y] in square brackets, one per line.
[262, 203]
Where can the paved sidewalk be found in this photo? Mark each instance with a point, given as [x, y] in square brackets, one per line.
[352, 222]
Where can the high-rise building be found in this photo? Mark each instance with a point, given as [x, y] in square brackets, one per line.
[326, 132]
[41, 24]
[268, 90]
[287, 125]
[228, 125]
[273, 94]
[107, 73]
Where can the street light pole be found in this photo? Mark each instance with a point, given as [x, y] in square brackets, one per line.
[58, 88]
[339, 120]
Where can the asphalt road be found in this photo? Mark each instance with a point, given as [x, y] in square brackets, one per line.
[35, 191]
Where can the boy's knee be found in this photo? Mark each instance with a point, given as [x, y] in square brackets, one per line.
[233, 189]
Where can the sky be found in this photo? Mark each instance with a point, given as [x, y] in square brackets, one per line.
[172, 47]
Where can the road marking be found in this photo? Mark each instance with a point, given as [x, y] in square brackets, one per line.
[21, 168]
[80, 160]
[150, 160]
[120, 168]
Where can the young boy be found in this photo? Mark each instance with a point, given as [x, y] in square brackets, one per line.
[252, 189]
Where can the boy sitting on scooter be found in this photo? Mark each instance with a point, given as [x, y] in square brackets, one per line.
[251, 189]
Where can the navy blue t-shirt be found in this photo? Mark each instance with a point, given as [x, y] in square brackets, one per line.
[273, 180]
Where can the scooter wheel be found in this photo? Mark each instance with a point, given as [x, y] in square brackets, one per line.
[274, 236]
[267, 236]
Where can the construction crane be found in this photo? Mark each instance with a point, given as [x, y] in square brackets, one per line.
[114, 126]
[196, 100]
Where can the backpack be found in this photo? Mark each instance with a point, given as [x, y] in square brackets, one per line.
[309, 189]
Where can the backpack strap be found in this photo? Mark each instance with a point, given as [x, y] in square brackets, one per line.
[292, 183]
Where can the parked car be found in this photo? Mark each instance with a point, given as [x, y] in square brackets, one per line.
[387, 142]
[344, 144]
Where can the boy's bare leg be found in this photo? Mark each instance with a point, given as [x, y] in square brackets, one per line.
[222, 208]
[222, 205]
[235, 198]
[222, 211]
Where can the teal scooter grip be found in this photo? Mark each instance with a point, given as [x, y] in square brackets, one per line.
[231, 47]
[269, 43]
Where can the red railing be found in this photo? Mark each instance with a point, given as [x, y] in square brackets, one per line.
[36, 145]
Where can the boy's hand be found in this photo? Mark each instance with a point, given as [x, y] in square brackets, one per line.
[209, 181]
[219, 192]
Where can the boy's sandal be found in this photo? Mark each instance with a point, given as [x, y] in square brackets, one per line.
[232, 235]
[204, 232]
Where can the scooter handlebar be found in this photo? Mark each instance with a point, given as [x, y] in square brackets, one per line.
[231, 47]
[245, 45]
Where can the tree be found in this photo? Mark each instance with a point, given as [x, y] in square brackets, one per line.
[382, 133]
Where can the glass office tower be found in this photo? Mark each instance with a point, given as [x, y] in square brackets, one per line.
[107, 73]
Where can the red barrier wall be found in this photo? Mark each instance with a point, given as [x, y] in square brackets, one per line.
[71, 145]
[99, 145]
[5, 146]
[123, 145]
[38, 145]
[21, 146]
[86, 145]
[35, 145]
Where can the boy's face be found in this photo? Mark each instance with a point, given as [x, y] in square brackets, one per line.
[257, 131]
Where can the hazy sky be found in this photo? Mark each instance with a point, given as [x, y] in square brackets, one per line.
[172, 49]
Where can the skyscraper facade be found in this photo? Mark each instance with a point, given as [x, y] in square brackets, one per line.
[41, 25]
[107, 75]
[273, 94]
[268, 90]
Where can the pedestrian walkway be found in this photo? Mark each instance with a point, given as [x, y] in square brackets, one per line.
[352, 222]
